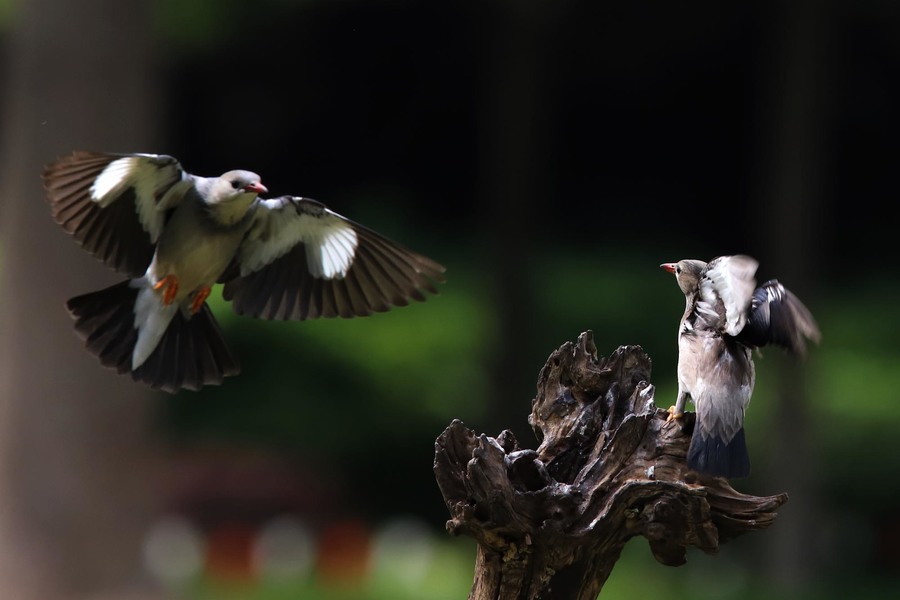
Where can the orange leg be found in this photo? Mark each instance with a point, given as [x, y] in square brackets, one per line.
[169, 286]
[199, 299]
[674, 415]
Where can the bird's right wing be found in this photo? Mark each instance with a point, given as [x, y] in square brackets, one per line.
[301, 260]
[115, 205]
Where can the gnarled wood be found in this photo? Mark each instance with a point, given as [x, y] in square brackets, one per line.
[552, 522]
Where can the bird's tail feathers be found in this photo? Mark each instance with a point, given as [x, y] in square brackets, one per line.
[151, 319]
[105, 321]
[190, 351]
[713, 456]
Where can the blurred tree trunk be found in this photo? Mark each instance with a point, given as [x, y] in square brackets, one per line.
[796, 80]
[76, 464]
[513, 181]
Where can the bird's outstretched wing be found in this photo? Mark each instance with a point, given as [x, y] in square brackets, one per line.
[115, 205]
[725, 291]
[301, 261]
[778, 317]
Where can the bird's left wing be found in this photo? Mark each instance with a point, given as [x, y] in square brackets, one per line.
[115, 205]
[725, 291]
[299, 260]
[777, 316]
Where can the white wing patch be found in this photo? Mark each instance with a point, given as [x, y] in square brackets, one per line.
[730, 281]
[330, 253]
[114, 178]
[148, 179]
[330, 241]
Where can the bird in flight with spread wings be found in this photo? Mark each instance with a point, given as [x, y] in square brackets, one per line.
[725, 318]
[174, 235]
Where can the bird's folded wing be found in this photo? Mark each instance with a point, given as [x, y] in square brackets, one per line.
[725, 292]
[301, 261]
[115, 205]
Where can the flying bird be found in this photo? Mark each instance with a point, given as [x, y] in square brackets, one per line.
[725, 318]
[174, 235]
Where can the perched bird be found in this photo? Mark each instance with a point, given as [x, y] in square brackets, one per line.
[174, 235]
[725, 318]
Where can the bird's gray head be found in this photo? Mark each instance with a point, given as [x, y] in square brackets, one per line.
[230, 195]
[233, 184]
[687, 274]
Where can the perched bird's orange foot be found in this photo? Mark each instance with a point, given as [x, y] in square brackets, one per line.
[199, 299]
[673, 415]
[169, 287]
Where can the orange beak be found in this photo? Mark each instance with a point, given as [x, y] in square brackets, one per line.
[670, 267]
[255, 187]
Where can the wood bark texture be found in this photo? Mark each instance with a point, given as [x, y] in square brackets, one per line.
[552, 522]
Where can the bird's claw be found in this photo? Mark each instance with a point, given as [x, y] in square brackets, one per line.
[199, 299]
[674, 415]
[169, 287]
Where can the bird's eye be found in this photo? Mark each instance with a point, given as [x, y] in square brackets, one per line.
[236, 184]
[678, 270]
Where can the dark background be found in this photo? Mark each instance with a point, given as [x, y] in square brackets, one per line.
[551, 155]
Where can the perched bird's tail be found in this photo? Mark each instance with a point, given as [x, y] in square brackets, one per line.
[191, 351]
[712, 455]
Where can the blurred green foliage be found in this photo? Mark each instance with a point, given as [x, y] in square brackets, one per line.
[199, 24]
[6, 9]
[322, 383]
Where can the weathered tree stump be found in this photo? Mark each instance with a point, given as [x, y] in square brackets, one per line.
[552, 522]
